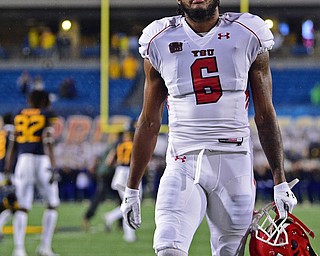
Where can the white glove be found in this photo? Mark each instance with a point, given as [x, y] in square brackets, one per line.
[284, 198]
[130, 208]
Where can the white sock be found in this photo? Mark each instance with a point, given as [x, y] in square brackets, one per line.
[49, 221]
[129, 234]
[19, 225]
[114, 215]
[4, 218]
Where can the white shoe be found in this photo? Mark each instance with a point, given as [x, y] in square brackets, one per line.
[129, 238]
[42, 251]
[19, 252]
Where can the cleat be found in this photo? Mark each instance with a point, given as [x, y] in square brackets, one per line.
[19, 252]
[42, 251]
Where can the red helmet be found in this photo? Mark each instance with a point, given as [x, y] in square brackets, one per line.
[271, 236]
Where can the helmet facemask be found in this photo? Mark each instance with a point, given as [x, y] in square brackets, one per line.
[273, 236]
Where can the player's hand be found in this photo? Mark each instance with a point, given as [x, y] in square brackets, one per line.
[130, 208]
[284, 198]
[55, 175]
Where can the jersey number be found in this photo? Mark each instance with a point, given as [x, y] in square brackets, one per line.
[124, 153]
[207, 88]
[27, 127]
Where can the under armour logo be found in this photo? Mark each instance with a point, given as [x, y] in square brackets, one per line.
[226, 35]
[290, 194]
[183, 159]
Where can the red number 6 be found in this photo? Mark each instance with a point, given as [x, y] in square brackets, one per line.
[207, 89]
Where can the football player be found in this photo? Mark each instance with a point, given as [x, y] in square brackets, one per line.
[33, 143]
[121, 156]
[8, 203]
[202, 64]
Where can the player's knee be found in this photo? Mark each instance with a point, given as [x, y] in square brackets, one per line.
[171, 252]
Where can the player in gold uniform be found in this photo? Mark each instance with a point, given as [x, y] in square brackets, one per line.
[33, 143]
[121, 157]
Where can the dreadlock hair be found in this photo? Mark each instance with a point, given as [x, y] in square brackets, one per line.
[179, 10]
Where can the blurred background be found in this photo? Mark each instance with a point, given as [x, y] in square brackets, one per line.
[56, 45]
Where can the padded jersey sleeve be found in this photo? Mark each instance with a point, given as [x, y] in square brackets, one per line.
[260, 29]
[148, 47]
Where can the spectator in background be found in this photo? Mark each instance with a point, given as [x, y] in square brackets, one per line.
[38, 83]
[24, 82]
[67, 89]
[33, 38]
[123, 45]
[31, 43]
[114, 67]
[115, 41]
[130, 67]
[63, 45]
[134, 45]
[47, 41]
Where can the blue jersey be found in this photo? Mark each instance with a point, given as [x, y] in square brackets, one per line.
[29, 126]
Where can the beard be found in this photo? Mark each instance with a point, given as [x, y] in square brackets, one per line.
[199, 14]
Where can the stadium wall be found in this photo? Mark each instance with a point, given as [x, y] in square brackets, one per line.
[291, 92]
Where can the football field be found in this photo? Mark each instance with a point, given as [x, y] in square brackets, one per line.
[71, 240]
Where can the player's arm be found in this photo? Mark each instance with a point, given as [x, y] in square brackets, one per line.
[265, 116]
[48, 142]
[144, 142]
[10, 154]
[269, 131]
[148, 125]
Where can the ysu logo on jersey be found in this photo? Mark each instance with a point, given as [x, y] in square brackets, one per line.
[224, 36]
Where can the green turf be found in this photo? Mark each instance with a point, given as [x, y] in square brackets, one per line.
[71, 240]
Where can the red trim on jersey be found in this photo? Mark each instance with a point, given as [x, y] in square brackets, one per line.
[157, 35]
[248, 29]
[247, 98]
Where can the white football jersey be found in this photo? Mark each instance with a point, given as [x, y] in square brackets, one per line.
[207, 77]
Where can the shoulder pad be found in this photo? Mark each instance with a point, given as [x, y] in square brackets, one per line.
[256, 25]
[251, 21]
[154, 29]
